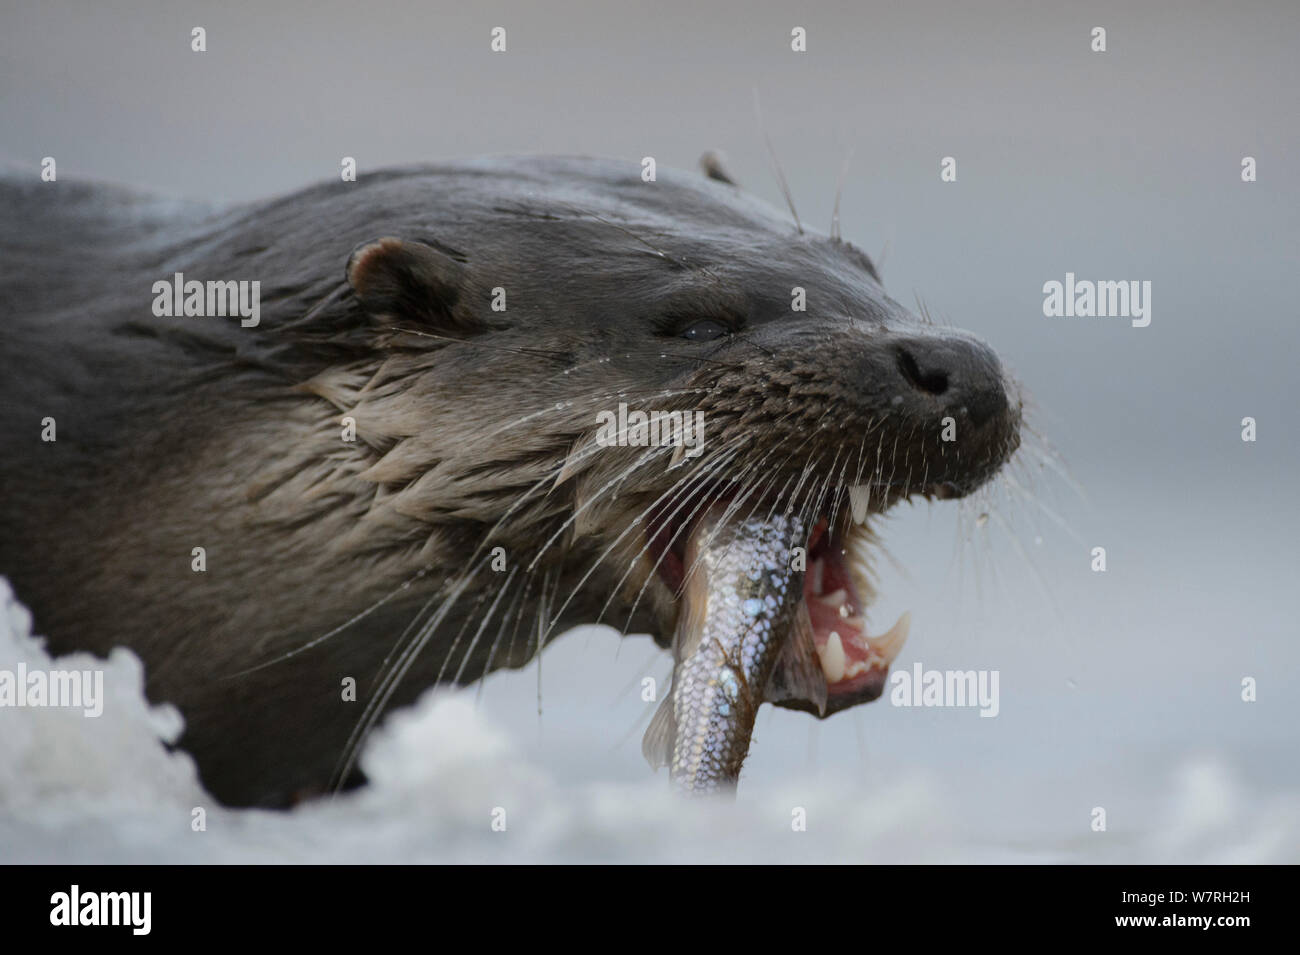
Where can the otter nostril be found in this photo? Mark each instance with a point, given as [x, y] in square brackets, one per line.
[931, 382]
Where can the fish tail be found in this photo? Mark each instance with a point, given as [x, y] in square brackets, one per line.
[657, 744]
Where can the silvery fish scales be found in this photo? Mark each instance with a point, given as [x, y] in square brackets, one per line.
[739, 607]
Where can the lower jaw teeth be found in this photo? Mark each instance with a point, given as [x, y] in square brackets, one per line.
[884, 650]
[833, 658]
[888, 644]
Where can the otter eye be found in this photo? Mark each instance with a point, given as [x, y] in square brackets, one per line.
[704, 331]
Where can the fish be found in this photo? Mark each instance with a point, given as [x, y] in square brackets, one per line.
[742, 622]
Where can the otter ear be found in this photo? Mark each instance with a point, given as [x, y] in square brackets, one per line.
[713, 166]
[396, 279]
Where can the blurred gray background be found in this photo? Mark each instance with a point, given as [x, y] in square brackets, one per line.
[1119, 689]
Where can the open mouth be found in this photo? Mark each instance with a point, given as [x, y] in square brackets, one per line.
[837, 592]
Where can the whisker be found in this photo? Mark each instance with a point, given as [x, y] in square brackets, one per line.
[356, 618]
[839, 190]
[469, 651]
[388, 684]
[776, 163]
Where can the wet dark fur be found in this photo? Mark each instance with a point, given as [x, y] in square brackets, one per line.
[182, 432]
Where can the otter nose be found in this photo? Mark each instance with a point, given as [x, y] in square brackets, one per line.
[959, 373]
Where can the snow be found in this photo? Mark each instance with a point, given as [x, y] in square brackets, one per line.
[95, 790]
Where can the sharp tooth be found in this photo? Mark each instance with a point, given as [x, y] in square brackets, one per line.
[816, 573]
[832, 657]
[835, 597]
[859, 502]
[888, 645]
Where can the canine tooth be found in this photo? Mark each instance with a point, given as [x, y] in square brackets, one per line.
[832, 657]
[859, 502]
[888, 645]
[816, 571]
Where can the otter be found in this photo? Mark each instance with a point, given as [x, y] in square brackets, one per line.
[390, 479]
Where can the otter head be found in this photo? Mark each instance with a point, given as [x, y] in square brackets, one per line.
[566, 364]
